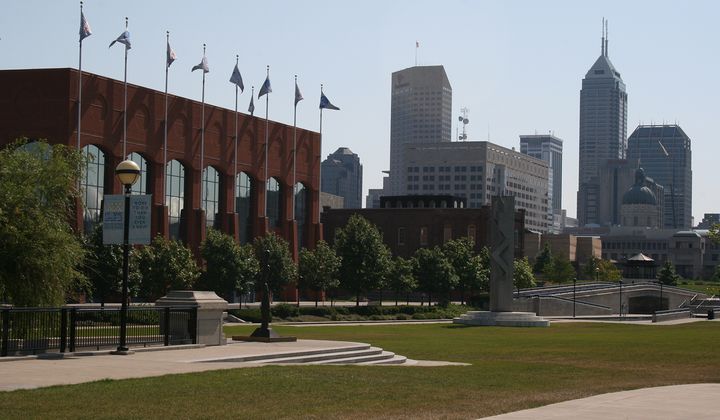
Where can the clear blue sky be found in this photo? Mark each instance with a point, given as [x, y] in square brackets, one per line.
[517, 65]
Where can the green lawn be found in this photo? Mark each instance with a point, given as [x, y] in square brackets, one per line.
[512, 369]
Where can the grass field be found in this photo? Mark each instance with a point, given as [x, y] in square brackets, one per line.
[512, 369]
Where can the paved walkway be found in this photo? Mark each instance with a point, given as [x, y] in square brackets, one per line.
[695, 401]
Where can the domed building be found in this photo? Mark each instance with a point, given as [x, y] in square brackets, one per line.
[640, 206]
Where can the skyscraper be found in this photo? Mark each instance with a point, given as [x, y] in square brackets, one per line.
[664, 152]
[603, 128]
[548, 148]
[342, 175]
[420, 113]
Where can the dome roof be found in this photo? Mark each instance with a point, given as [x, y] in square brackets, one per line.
[638, 193]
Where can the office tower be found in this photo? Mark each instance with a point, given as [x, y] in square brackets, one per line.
[421, 105]
[664, 152]
[603, 128]
[548, 148]
[342, 176]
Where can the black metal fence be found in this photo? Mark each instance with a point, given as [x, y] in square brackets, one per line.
[42, 330]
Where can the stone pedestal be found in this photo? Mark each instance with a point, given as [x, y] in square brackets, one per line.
[210, 308]
[501, 319]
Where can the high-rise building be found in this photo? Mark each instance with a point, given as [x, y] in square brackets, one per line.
[664, 152]
[478, 170]
[421, 111]
[603, 128]
[548, 148]
[342, 175]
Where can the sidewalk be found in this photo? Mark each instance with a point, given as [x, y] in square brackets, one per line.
[694, 401]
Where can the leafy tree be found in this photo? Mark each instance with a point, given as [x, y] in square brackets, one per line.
[560, 270]
[401, 278]
[230, 267]
[544, 258]
[434, 273]
[103, 266]
[667, 274]
[472, 274]
[715, 233]
[164, 265]
[523, 276]
[276, 264]
[319, 269]
[365, 258]
[40, 257]
[602, 270]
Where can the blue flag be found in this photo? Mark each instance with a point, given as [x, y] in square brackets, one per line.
[236, 78]
[265, 89]
[325, 103]
[85, 30]
[251, 108]
[124, 38]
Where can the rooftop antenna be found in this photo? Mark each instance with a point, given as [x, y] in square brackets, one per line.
[602, 40]
[606, 38]
[463, 118]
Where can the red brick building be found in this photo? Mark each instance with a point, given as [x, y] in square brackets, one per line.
[42, 104]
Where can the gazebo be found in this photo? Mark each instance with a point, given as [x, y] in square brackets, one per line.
[640, 266]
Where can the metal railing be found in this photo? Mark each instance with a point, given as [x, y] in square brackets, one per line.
[42, 330]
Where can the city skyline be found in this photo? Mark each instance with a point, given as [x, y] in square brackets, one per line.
[517, 66]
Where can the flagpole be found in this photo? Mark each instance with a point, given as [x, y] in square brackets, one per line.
[80, 82]
[320, 161]
[125, 100]
[294, 179]
[237, 60]
[252, 96]
[267, 137]
[202, 136]
[165, 138]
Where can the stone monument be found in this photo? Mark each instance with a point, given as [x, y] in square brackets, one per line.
[502, 255]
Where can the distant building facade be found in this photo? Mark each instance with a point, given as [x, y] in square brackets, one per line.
[665, 154]
[420, 112]
[603, 129]
[550, 149]
[709, 219]
[477, 170]
[640, 206]
[342, 175]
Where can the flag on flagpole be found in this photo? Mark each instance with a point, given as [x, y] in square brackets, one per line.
[170, 55]
[251, 108]
[124, 38]
[325, 103]
[85, 30]
[417, 44]
[202, 66]
[236, 78]
[265, 88]
[298, 95]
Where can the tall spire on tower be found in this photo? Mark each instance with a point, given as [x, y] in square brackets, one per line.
[606, 38]
[602, 40]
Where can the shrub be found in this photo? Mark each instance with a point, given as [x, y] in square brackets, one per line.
[285, 310]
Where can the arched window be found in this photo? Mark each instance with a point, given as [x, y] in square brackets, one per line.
[175, 195]
[273, 210]
[301, 212]
[210, 195]
[93, 186]
[243, 204]
[141, 185]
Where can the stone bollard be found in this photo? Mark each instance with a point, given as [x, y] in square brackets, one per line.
[210, 308]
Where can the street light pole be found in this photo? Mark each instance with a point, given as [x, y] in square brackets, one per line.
[128, 172]
[574, 285]
[621, 301]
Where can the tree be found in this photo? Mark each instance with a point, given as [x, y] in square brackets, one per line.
[401, 278]
[472, 274]
[319, 269]
[40, 256]
[714, 233]
[276, 264]
[435, 274]
[229, 267]
[601, 270]
[365, 258]
[667, 274]
[523, 276]
[103, 266]
[544, 258]
[164, 265]
[560, 270]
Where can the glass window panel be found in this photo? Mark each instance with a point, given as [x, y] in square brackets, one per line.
[175, 195]
[210, 195]
[273, 202]
[243, 200]
[93, 186]
[141, 185]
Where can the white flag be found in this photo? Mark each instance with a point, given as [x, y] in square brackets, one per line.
[202, 66]
[298, 95]
[170, 55]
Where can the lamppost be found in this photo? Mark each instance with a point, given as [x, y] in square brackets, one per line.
[621, 302]
[597, 274]
[128, 172]
[574, 285]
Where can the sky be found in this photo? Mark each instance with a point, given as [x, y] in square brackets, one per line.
[516, 65]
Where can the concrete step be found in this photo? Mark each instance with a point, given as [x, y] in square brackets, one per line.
[283, 355]
[321, 358]
[395, 360]
[380, 356]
